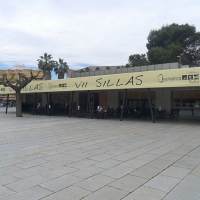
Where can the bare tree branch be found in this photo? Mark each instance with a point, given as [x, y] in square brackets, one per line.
[21, 82]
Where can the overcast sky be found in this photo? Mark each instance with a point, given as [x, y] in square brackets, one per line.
[85, 32]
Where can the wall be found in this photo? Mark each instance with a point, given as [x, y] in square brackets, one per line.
[103, 99]
[112, 99]
[163, 99]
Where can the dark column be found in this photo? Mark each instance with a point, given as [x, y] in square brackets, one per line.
[89, 104]
[150, 104]
[124, 99]
[47, 98]
[34, 103]
[71, 102]
[7, 103]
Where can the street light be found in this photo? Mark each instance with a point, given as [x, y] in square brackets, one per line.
[179, 61]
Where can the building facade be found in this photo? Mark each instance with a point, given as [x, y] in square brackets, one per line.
[172, 90]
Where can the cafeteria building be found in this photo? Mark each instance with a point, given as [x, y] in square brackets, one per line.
[167, 88]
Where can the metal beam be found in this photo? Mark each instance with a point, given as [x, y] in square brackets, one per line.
[150, 104]
[122, 110]
[7, 103]
[71, 102]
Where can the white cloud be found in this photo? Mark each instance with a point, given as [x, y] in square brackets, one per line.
[93, 32]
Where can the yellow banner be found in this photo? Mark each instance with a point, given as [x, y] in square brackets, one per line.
[186, 77]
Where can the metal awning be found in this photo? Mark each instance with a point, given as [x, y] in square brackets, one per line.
[173, 78]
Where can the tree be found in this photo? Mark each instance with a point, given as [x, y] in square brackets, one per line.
[61, 68]
[46, 65]
[17, 84]
[165, 44]
[87, 69]
[137, 60]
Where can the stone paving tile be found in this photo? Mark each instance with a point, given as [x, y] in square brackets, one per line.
[10, 162]
[145, 193]
[55, 164]
[33, 193]
[70, 193]
[91, 147]
[187, 162]
[188, 189]
[95, 182]
[26, 183]
[196, 171]
[134, 163]
[159, 151]
[160, 163]
[54, 157]
[125, 156]
[32, 156]
[128, 183]
[6, 179]
[110, 147]
[116, 151]
[94, 152]
[146, 172]
[106, 193]
[60, 171]
[24, 173]
[9, 170]
[171, 157]
[175, 172]
[163, 183]
[3, 157]
[31, 163]
[83, 163]
[87, 172]
[107, 164]
[101, 157]
[52, 152]
[5, 192]
[180, 151]
[148, 157]
[117, 171]
[187, 146]
[61, 182]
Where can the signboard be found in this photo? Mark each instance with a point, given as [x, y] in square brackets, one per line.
[187, 77]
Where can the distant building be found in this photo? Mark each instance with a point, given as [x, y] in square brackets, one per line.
[99, 68]
[14, 72]
[19, 69]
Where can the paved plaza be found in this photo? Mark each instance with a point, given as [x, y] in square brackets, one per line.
[61, 158]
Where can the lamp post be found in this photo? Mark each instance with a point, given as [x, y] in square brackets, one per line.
[179, 61]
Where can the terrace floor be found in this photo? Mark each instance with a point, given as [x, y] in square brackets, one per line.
[61, 158]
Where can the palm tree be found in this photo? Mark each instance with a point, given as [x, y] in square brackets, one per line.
[46, 65]
[61, 68]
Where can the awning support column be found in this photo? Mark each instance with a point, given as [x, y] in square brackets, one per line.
[7, 103]
[150, 104]
[47, 98]
[34, 103]
[122, 109]
[89, 104]
[71, 102]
